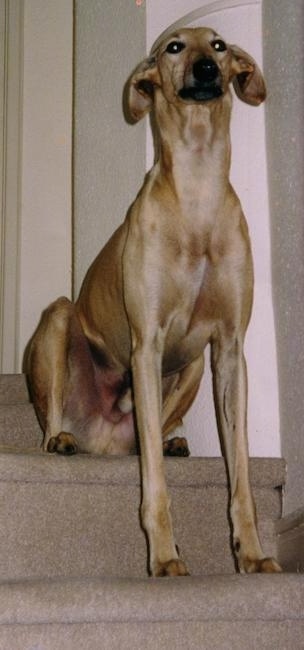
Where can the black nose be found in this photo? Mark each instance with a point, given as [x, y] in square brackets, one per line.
[205, 70]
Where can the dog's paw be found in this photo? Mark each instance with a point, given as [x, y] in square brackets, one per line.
[173, 568]
[64, 444]
[264, 565]
[176, 447]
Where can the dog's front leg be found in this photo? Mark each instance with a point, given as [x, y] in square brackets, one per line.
[230, 380]
[155, 508]
[144, 303]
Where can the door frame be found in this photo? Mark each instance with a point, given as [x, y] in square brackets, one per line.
[11, 43]
[36, 92]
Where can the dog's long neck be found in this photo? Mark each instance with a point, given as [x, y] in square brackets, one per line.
[194, 152]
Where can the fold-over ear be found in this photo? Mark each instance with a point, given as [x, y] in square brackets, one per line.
[248, 81]
[140, 88]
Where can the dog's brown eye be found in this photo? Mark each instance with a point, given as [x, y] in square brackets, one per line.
[175, 47]
[219, 45]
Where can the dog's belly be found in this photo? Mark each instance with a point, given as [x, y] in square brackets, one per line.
[97, 435]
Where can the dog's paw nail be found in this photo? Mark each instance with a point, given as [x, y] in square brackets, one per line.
[176, 447]
[173, 568]
[51, 446]
[264, 565]
[64, 444]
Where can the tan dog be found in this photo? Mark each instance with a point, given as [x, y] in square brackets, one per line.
[176, 275]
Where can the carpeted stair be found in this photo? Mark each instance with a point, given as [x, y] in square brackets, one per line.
[73, 557]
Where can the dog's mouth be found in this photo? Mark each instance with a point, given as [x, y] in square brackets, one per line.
[203, 83]
[200, 94]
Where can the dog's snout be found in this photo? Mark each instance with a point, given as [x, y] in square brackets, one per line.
[205, 69]
[203, 81]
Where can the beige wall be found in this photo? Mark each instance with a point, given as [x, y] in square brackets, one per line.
[284, 67]
[45, 215]
[109, 155]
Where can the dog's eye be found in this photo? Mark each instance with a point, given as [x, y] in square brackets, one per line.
[219, 45]
[175, 47]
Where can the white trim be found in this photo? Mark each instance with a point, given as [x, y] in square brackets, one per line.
[206, 10]
[11, 18]
[36, 71]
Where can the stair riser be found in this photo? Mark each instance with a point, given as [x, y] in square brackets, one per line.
[19, 427]
[193, 635]
[51, 529]
[13, 389]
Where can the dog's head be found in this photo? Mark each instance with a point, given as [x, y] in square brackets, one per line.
[194, 66]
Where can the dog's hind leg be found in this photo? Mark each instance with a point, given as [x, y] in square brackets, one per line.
[46, 366]
[181, 394]
[178, 397]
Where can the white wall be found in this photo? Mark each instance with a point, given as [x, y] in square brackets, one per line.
[45, 238]
[241, 25]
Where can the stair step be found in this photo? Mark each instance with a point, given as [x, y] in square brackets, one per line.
[209, 613]
[13, 389]
[79, 516]
[73, 556]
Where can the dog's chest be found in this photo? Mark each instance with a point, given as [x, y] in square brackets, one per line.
[187, 312]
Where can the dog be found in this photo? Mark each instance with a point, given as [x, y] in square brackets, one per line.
[126, 359]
